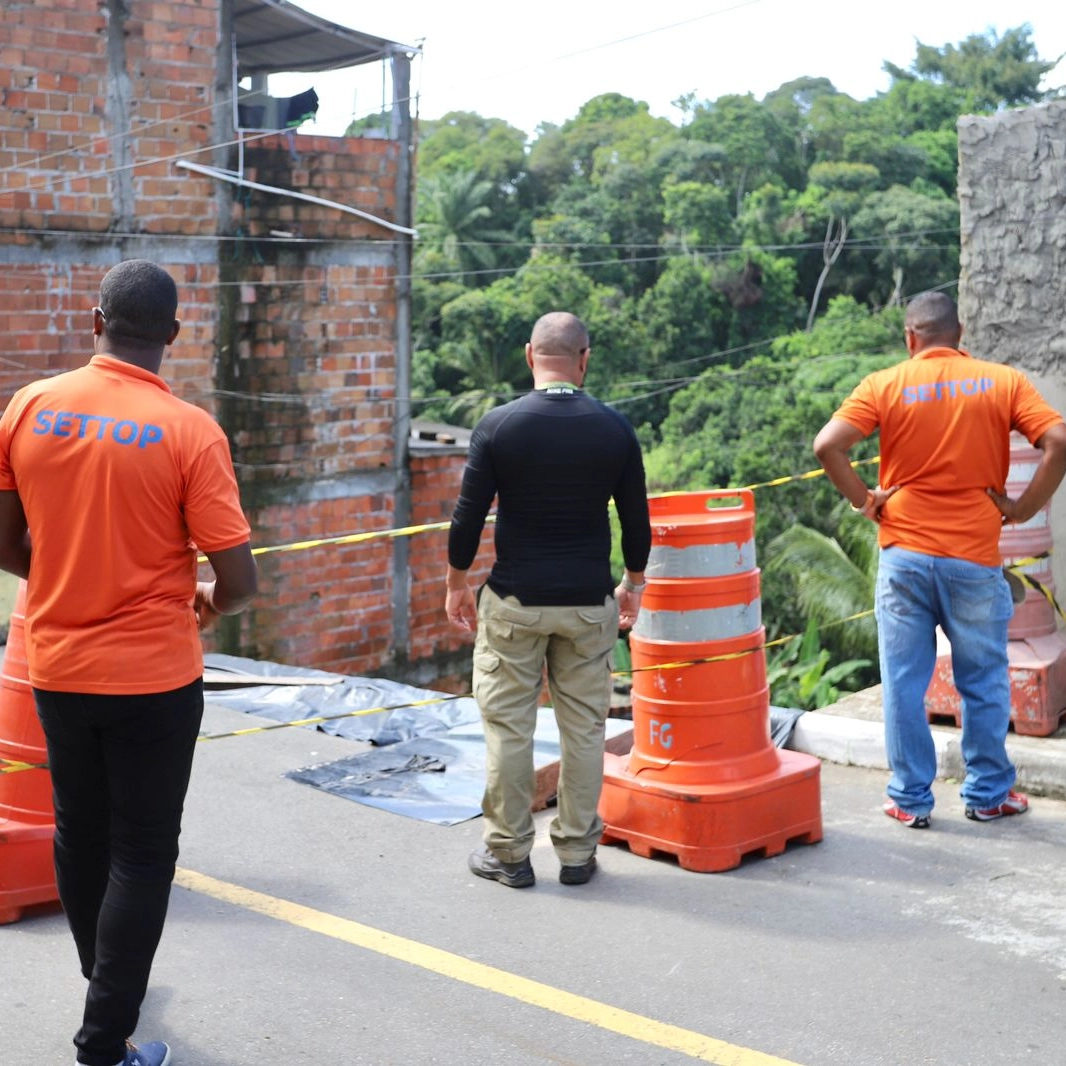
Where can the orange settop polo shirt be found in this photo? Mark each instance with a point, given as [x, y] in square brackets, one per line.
[945, 419]
[121, 482]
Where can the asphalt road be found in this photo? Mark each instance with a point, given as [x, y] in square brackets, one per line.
[306, 928]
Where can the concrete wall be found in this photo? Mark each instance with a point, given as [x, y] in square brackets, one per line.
[1012, 196]
[298, 345]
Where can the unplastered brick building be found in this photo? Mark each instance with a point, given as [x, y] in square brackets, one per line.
[133, 129]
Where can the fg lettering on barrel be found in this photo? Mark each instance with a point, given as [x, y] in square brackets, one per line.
[121, 431]
[660, 733]
[946, 390]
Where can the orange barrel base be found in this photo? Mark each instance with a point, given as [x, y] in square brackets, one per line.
[27, 873]
[1037, 669]
[712, 827]
[702, 743]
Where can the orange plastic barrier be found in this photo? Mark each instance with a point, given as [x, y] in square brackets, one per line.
[704, 781]
[27, 821]
[1037, 668]
[1036, 650]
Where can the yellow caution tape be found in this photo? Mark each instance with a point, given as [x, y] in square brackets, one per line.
[433, 527]
[319, 719]
[809, 475]
[9, 766]
[1028, 579]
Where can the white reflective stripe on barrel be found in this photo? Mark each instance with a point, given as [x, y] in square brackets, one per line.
[701, 560]
[1041, 520]
[712, 623]
[1022, 472]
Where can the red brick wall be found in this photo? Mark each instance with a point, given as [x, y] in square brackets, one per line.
[357, 172]
[75, 175]
[327, 606]
[292, 345]
[315, 371]
[53, 147]
[435, 479]
[311, 409]
[67, 148]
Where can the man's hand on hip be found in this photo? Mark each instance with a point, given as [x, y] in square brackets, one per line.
[1007, 507]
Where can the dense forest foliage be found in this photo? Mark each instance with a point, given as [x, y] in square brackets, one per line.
[739, 270]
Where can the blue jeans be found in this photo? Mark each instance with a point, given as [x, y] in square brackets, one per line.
[120, 770]
[972, 605]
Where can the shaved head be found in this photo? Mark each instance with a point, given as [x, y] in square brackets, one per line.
[559, 334]
[932, 317]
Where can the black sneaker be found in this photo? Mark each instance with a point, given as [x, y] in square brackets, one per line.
[512, 874]
[579, 874]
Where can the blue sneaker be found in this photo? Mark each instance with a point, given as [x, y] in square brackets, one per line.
[154, 1054]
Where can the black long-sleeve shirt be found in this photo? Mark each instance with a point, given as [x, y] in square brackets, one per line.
[554, 458]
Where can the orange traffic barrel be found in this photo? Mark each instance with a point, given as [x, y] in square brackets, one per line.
[701, 706]
[689, 609]
[27, 819]
[701, 534]
[1026, 547]
[700, 717]
[703, 780]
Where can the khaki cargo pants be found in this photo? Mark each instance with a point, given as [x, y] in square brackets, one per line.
[514, 644]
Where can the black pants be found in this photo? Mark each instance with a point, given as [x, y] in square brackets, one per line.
[120, 769]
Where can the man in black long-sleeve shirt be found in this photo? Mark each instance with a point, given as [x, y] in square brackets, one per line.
[553, 459]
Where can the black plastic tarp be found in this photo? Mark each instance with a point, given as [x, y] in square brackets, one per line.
[428, 761]
[290, 703]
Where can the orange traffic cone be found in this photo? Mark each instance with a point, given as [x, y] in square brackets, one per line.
[27, 819]
[704, 781]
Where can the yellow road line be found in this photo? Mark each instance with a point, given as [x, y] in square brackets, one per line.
[635, 1026]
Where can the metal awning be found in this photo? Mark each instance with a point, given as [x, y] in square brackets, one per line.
[275, 37]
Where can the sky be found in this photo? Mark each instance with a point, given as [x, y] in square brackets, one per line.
[540, 61]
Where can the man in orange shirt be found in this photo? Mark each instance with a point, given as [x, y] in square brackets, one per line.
[945, 421]
[110, 486]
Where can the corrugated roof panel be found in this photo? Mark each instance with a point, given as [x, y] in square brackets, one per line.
[275, 37]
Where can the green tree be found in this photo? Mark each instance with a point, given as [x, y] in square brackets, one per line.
[831, 119]
[833, 577]
[756, 144]
[761, 291]
[454, 220]
[771, 216]
[696, 214]
[914, 241]
[608, 131]
[464, 141]
[800, 675]
[792, 105]
[481, 355]
[683, 325]
[992, 72]
[613, 226]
